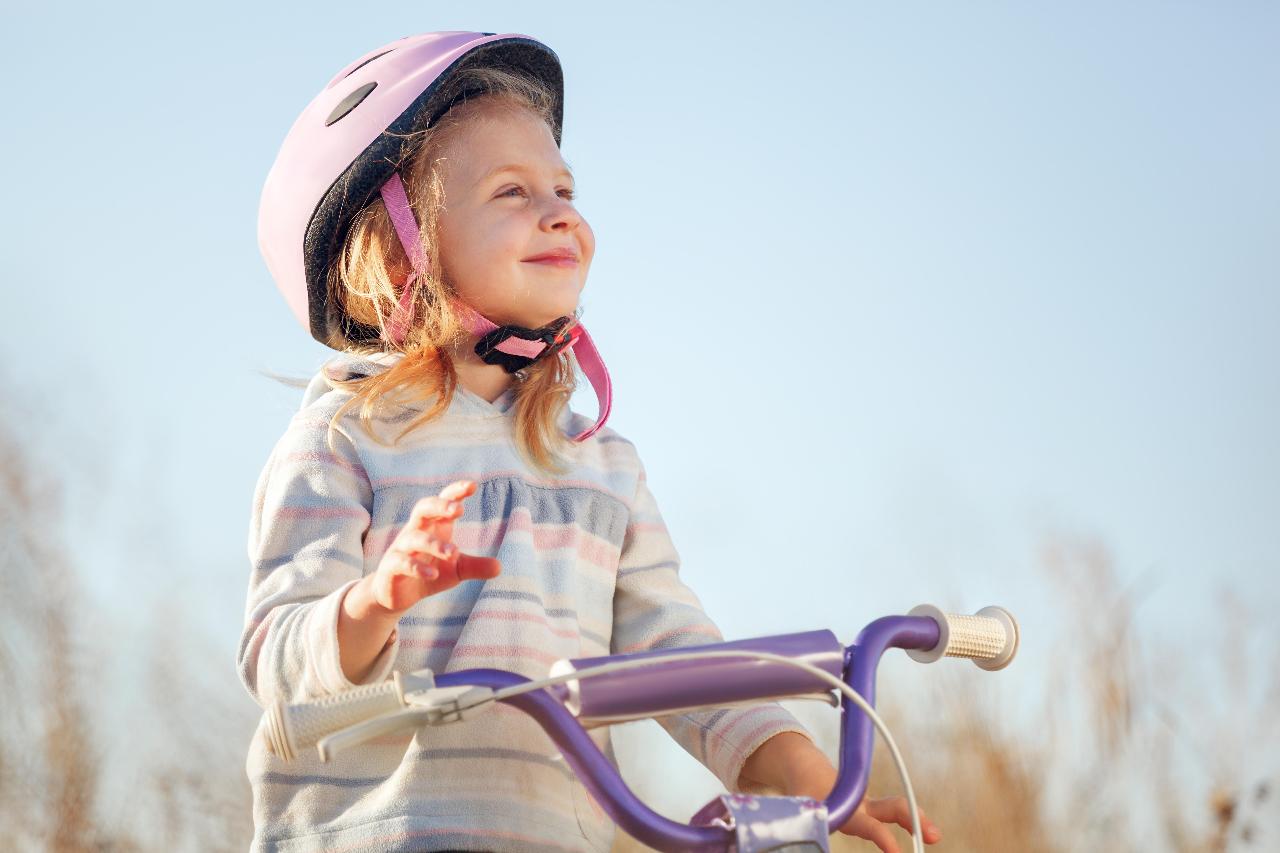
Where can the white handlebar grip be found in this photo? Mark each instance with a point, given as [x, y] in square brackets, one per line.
[989, 637]
[292, 728]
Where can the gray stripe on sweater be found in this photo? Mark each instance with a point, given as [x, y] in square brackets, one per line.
[705, 724]
[356, 561]
[467, 753]
[635, 570]
[589, 509]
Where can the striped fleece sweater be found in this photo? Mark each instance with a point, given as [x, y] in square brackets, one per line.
[587, 569]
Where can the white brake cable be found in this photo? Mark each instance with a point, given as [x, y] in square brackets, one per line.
[917, 838]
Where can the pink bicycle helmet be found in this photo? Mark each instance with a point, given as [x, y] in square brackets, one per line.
[346, 150]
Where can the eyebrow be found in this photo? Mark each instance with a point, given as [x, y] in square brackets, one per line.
[519, 167]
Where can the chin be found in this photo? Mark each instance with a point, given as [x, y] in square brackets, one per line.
[546, 319]
[551, 310]
[533, 317]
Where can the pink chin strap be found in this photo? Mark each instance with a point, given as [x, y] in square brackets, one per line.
[584, 349]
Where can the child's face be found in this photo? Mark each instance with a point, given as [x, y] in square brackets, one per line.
[508, 198]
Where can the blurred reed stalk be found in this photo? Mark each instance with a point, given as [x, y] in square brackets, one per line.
[48, 766]
[1105, 766]
[183, 752]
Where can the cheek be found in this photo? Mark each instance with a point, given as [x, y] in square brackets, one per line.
[447, 249]
[588, 238]
[495, 243]
[476, 252]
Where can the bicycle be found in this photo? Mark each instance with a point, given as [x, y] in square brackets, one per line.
[580, 694]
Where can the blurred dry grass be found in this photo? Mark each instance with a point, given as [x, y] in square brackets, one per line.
[66, 784]
[1105, 766]
[1110, 762]
[47, 768]
[1096, 770]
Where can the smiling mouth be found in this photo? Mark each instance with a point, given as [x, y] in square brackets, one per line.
[555, 261]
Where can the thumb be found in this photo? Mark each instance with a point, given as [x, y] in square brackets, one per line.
[471, 567]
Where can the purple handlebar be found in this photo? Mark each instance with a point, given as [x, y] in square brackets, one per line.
[654, 691]
[861, 660]
[593, 768]
[644, 824]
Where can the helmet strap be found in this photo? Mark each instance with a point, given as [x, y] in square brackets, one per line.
[397, 202]
[514, 347]
[511, 347]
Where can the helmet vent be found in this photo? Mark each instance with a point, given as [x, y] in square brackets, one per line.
[366, 62]
[349, 103]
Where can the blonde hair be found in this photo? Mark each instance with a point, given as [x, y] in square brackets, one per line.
[368, 277]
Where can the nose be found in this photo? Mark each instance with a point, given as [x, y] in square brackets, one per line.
[560, 215]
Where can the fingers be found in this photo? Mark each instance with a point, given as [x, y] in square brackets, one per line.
[433, 510]
[477, 568]
[425, 555]
[424, 551]
[458, 490]
[438, 512]
[896, 810]
[871, 821]
[411, 571]
[865, 826]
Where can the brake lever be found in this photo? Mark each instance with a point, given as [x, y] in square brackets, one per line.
[432, 706]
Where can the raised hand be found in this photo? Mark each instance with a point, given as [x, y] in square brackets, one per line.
[422, 559]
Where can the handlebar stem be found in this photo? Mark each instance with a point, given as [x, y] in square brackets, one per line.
[594, 769]
[860, 661]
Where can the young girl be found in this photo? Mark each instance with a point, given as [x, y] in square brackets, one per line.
[435, 504]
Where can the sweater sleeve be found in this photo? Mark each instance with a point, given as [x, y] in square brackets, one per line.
[311, 511]
[654, 609]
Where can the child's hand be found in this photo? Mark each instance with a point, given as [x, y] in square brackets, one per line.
[870, 821]
[423, 560]
[791, 763]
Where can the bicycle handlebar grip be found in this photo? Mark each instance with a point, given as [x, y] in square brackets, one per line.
[989, 637]
[292, 728]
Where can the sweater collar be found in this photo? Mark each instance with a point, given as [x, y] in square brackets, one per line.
[349, 365]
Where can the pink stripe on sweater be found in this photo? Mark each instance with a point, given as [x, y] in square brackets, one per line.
[326, 459]
[645, 527]
[254, 651]
[474, 539]
[737, 720]
[319, 512]
[513, 616]
[406, 643]
[650, 642]
[742, 748]
[477, 651]
[721, 734]
[498, 615]
[432, 485]
[591, 547]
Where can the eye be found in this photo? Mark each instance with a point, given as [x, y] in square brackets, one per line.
[567, 193]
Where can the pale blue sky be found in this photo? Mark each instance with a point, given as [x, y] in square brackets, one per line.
[1006, 270]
